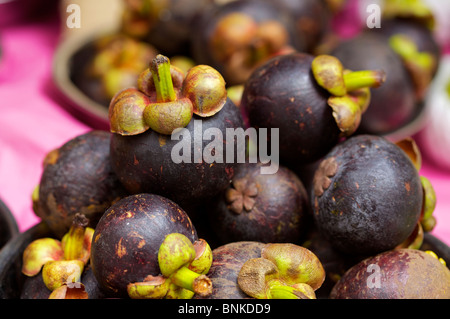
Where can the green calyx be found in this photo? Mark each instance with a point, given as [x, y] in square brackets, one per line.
[429, 204]
[162, 79]
[409, 9]
[62, 262]
[284, 271]
[183, 267]
[350, 91]
[420, 65]
[166, 99]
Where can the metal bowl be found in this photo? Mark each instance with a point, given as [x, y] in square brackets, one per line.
[69, 62]
[8, 225]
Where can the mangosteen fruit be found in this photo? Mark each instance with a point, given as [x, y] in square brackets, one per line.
[284, 271]
[34, 288]
[367, 195]
[77, 178]
[396, 274]
[261, 207]
[312, 19]
[227, 261]
[110, 63]
[419, 50]
[131, 248]
[163, 131]
[406, 49]
[415, 22]
[237, 36]
[249, 269]
[155, 22]
[312, 101]
[334, 262]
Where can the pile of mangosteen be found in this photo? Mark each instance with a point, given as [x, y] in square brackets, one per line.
[164, 206]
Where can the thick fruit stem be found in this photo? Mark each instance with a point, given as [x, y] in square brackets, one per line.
[362, 79]
[411, 9]
[74, 241]
[187, 279]
[162, 79]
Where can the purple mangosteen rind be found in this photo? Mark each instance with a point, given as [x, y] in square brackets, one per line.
[312, 19]
[283, 94]
[371, 50]
[77, 178]
[259, 207]
[127, 239]
[228, 260]
[143, 163]
[395, 274]
[367, 196]
[237, 58]
[309, 99]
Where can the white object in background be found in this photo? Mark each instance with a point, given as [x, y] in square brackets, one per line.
[93, 16]
[435, 137]
[441, 10]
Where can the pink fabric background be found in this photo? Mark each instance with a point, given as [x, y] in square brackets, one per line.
[34, 121]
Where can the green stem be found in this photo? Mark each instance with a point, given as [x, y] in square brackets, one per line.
[190, 280]
[74, 240]
[362, 79]
[162, 79]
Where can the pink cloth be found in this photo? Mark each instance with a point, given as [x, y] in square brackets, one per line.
[33, 122]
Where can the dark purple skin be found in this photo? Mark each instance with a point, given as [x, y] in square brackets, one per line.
[278, 213]
[333, 261]
[393, 104]
[227, 262]
[177, 26]
[144, 164]
[258, 10]
[34, 287]
[372, 202]
[78, 178]
[421, 35]
[404, 274]
[127, 239]
[311, 17]
[91, 284]
[284, 94]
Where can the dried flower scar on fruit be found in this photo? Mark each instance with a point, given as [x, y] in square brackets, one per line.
[259, 207]
[367, 195]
